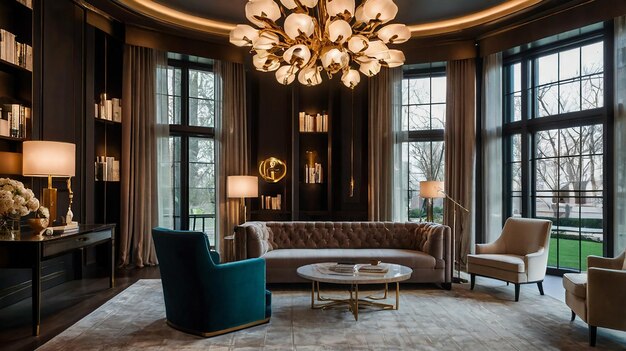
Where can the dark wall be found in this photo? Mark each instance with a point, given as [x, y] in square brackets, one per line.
[272, 113]
[58, 115]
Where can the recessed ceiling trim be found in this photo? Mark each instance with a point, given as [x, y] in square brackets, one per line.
[166, 14]
[471, 20]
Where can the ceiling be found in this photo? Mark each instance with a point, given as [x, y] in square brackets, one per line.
[424, 17]
[411, 11]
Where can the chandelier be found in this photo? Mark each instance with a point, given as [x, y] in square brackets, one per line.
[330, 35]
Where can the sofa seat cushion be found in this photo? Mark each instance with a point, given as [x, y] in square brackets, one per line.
[576, 283]
[511, 263]
[294, 258]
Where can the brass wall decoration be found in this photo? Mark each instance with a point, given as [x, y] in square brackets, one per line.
[272, 170]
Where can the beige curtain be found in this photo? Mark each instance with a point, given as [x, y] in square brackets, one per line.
[139, 214]
[619, 134]
[384, 104]
[231, 141]
[492, 164]
[460, 141]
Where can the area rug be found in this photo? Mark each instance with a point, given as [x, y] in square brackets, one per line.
[428, 319]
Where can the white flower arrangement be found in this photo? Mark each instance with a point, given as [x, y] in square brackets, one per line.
[15, 199]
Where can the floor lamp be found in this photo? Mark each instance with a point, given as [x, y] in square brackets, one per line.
[456, 205]
[242, 187]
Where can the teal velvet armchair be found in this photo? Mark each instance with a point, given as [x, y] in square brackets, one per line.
[204, 297]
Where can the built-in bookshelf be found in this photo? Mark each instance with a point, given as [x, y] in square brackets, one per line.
[106, 113]
[16, 77]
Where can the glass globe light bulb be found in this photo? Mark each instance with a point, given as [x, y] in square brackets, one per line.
[340, 8]
[298, 55]
[370, 68]
[394, 34]
[298, 24]
[357, 44]
[334, 60]
[265, 41]
[377, 49]
[351, 78]
[310, 76]
[396, 59]
[265, 62]
[285, 75]
[379, 10]
[262, 8]
[339, 31]
[243, 35]
[291, 4]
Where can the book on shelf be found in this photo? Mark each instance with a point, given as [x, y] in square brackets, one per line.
[310, 123]
[107, 169]
[17, 119]
[313, 174]
[14, 52]
[109, 109]
[271, 202]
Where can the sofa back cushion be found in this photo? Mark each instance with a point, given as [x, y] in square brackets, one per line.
[346, 235]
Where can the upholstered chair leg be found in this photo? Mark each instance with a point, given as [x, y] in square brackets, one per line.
[446, 286]
[472, 281]
[540, 286]
[573, 316]
[592, 335]
[517, 292]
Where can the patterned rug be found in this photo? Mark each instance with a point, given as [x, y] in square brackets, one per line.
[428, 319]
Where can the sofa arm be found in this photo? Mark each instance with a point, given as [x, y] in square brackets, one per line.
[605, 262]
[536, 265]
[251, 240]
[439, 245]
[606, 293]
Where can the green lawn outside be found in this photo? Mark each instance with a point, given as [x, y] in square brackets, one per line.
[569, 252]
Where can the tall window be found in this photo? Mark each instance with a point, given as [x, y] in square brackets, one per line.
[555, 124]
[191, 113]
[423, 120]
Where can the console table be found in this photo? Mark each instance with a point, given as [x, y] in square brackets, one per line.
[29, 250]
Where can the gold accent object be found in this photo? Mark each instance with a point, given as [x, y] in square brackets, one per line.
[49, 199]
[272, 170]
[322, 36]
[219, 332]
[354, 302]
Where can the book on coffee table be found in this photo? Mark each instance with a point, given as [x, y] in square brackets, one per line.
[368, 268]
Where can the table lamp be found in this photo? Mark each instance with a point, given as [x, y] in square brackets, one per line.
[49, 159]
[242, 187]
[429, 190]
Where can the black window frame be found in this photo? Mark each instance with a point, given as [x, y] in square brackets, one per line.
[529, 125]
[424, 135]
[185, 131]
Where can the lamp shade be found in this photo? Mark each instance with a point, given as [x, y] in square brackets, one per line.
[48, 158]
[10, 163]
[431, 189]
[242, 186]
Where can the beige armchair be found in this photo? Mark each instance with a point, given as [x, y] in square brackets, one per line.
[518, 256]
[598, 296]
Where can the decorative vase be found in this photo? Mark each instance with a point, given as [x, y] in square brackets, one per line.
[9, 227]
[38, 224]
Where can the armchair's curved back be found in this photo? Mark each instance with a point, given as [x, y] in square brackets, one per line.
[184, 262]
[522, 236]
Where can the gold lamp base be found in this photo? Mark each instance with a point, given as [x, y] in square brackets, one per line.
[49, 200]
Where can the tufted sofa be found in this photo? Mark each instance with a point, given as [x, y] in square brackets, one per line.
[285, 246]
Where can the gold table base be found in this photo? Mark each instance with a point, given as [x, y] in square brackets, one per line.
[353, 302]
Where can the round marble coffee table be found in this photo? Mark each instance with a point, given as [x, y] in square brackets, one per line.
[319, 273]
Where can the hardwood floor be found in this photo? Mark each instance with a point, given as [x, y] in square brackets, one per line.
[62, 306]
